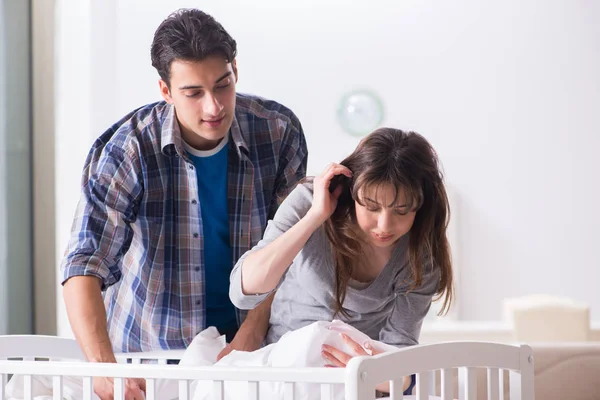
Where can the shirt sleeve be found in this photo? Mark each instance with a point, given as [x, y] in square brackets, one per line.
[293, 208]
[293, 159]
[403, 326]
[101, 232]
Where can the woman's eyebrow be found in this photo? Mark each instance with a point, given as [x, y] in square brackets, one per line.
[391, 205]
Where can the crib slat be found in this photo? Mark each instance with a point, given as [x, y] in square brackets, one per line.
[492, 384]
[162, 362]
[326, 391]
[3, 382]
[467, 383]
[27, 388]
[396, 392]
[136, 360]
[150, 389]
[422, 386]
[88, 388]
[252, 390]
[57, 389]
[119, 390]
[514, 379]
[218, 390]
[501, 384]
[288, 391]
[184, 389]
[446, 376]
[433, 382]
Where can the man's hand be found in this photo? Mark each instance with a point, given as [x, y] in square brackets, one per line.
[253, 330]
[85, 308]
[245, 340]
[135, 389]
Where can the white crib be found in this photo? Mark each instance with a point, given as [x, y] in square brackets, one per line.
[360, 377]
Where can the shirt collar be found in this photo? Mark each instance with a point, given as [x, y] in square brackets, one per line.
[171, 141]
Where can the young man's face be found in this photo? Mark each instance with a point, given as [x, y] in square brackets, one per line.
[203, 93]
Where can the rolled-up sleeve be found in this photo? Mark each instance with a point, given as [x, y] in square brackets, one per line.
[293, 208]
[101, 231]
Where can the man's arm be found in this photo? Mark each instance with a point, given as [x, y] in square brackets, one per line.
[110, 189]
[253, 330]
[87, 317]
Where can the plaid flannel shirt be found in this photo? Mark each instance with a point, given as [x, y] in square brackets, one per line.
[138, 225]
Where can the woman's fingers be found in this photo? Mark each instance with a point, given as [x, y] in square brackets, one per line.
[337, 169]
[329, 176]
[332, 361]
[357, 348]
[324, 201]
[335, 356]
[333, 170]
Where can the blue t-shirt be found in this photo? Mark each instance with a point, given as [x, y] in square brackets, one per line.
[211, 170]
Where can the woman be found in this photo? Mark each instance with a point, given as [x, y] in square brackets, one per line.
[365, 243]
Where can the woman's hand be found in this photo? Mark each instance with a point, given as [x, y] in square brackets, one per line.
[336, 358]
[324, 201]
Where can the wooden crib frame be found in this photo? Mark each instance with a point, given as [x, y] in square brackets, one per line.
[360, 377]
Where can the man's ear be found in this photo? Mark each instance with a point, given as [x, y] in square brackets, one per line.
[165, 92]
[235, 70]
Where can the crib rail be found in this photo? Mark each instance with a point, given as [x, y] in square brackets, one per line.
[155, 357]
[185, 375]
[365, 373]
[28, 347]
[435, 366]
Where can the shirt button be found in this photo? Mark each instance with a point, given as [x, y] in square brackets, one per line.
[194, 201]
[198, 302]
[196, 235]
[191, 166]
[197, 268]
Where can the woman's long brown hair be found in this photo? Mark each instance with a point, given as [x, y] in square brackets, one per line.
[406, 161]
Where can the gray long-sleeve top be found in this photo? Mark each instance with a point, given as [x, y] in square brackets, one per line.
[384, 309]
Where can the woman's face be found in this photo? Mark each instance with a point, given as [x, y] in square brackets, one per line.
[381, 219]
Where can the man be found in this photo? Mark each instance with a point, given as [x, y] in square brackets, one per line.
[172, 195]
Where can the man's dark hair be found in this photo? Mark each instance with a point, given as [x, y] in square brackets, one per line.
[189, 35]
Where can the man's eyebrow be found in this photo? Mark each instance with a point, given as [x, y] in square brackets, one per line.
[187, 87]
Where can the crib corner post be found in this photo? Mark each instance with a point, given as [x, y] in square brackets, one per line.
[358, 381]
[3, 382]
[522, 382]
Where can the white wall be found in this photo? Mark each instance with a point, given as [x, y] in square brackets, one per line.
[506, 91]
